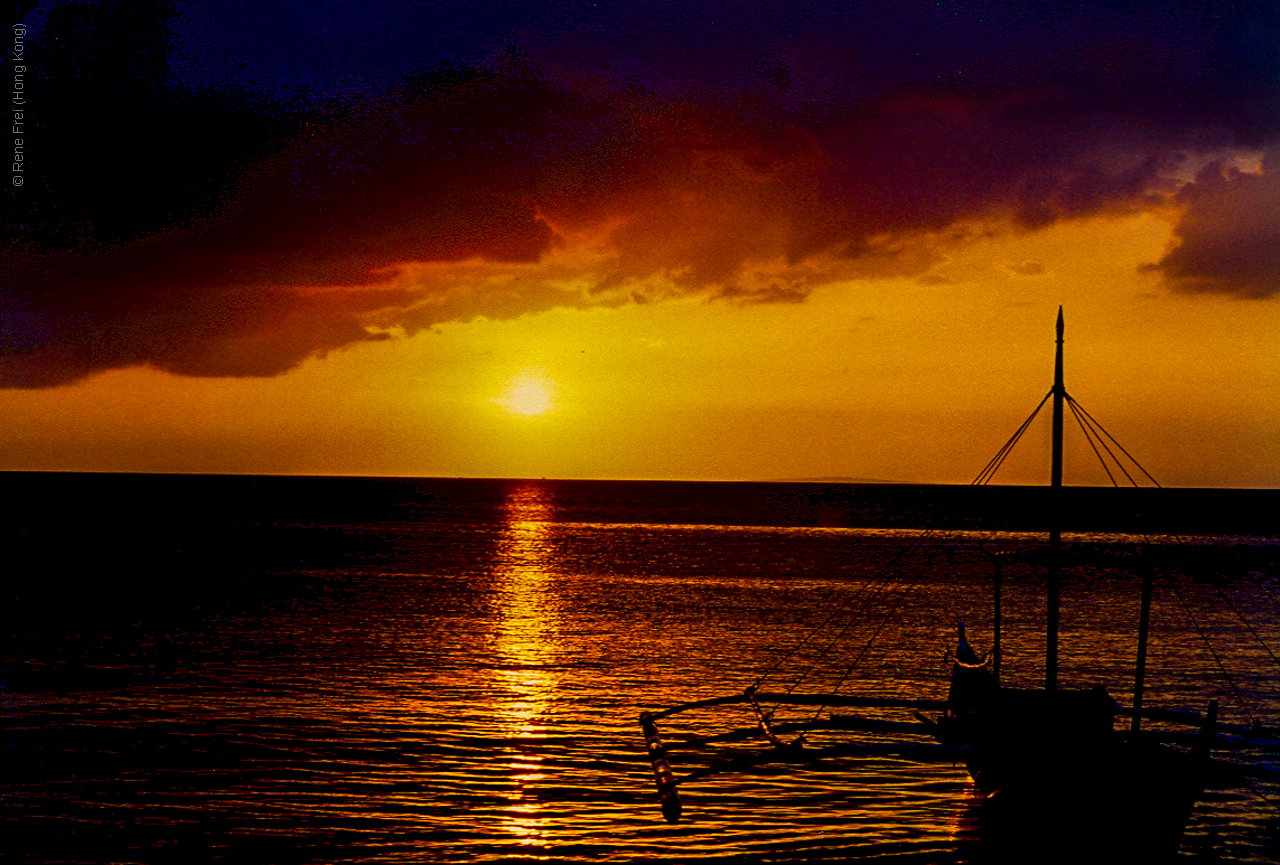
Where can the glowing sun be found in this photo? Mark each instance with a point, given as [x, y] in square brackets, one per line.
[528, 394]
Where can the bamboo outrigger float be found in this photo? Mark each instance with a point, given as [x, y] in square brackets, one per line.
[1050, 763]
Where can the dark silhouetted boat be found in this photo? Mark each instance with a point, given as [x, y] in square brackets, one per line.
[1058, 779]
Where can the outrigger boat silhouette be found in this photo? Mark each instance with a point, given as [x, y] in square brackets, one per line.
[1052, 769]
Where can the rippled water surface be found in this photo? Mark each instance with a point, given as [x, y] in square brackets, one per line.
[450, 673]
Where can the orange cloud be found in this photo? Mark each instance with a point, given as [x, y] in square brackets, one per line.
[465, 192]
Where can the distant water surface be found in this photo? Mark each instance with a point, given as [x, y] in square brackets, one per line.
[312, 669]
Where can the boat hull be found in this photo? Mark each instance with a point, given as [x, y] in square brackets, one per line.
[1058, 783]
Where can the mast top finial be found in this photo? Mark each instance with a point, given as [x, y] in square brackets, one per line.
[1061, 327]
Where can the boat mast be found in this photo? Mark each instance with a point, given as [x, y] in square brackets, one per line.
[1055, 528]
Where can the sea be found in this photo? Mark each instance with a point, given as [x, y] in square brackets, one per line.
[396, 670]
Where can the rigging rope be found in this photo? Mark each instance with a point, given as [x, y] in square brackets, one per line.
[1088, 435]
[1098, 437]
[1240, 700]
[1265, 591]
[814, 632]
[832, 642]
[894, 566]
[1248, 626]
[998, 460]
[983, 477]
[902, 596]
[1100, 428]
[836, 639]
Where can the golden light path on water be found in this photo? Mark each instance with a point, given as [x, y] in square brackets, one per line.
[526, 645]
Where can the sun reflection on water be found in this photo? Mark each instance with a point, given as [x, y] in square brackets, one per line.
[527, 647]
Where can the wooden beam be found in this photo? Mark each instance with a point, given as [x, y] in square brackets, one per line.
[833, 700]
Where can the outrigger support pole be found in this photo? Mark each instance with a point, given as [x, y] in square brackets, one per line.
[782, 752]
[828, 700]
[1144, 627]
[997, 579]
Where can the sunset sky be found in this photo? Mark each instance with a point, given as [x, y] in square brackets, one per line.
[728, 241]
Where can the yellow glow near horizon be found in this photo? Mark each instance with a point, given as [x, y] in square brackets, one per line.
[893, 379]
[529, 394]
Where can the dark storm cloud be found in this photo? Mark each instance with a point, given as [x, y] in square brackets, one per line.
[1228, 239]
[243, 191]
